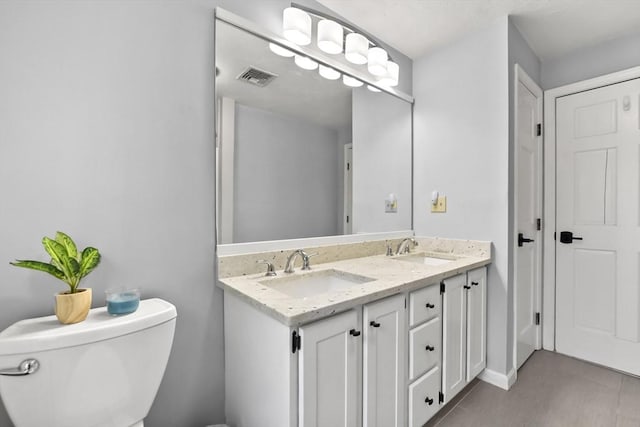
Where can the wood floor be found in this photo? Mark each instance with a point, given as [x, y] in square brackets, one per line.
[552, 390]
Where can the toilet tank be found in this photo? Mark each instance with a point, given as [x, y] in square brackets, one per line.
[103, 372]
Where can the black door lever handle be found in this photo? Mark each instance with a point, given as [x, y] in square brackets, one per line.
[568, 237]
[522, 239]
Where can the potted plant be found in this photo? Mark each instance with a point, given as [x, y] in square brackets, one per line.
[70, 266]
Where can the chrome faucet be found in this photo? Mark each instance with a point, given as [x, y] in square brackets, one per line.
[288, 267]
[403, 247]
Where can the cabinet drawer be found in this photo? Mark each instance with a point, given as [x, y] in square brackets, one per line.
[423, 398]
[424, 304]
[425, 347]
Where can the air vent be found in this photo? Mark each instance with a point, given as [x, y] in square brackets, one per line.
[256, 76]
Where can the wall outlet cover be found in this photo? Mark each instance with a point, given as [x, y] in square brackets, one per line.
[440, 206]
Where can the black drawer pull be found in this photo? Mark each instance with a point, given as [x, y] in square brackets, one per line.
[354, 333]
[467, 287]
[428, 401]
[374, 324]
[474, 283]
[429, 305]
[430, 348]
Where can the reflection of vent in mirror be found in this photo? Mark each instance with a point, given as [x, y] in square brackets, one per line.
[256, 76]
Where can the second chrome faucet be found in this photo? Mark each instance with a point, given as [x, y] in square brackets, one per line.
[288, 267]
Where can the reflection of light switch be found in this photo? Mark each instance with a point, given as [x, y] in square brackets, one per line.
[391, 204]
[440, 206]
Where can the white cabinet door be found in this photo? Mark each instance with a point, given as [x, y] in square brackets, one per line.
[476, 322]
[454, 336]
[328, 363]
[384, 356]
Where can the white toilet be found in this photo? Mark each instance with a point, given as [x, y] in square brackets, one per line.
[103, 372]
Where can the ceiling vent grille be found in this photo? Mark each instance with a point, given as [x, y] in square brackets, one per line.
[256, 76]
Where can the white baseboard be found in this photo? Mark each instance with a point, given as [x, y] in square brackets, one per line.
[497, 379]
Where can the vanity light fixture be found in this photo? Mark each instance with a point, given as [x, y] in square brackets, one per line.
[329, 73]
[279, 50]
[305, 62]
[390, 79]
[330, 36]
[356, 48]
[296, 26]
[377, 61]
[350, 81]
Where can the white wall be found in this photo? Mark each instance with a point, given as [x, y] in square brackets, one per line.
[461, 148]
[106, 132]
[286, 176]
[604, 58]
[381, 161]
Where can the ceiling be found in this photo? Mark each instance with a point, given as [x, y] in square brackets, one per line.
[294, 92]
[551, 27]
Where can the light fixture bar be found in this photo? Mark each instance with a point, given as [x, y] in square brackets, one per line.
[251, 27]
[349, 27]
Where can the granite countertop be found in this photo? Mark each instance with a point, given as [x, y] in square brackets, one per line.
[384, 275]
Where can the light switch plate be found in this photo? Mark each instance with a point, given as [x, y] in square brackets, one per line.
[440, 206]
[390, 206]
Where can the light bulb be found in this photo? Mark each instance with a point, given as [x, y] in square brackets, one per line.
[329, 73]
[330, 36]
[356, 48]
[305, 62]
[281, 51]
[391, 77]
[377, 59]
[350, 81]
[296, 26]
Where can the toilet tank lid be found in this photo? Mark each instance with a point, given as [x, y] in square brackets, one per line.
[47, 333]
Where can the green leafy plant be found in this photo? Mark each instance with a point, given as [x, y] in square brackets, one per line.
[67, 264]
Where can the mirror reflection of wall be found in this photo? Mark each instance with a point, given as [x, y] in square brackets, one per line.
[282, 135]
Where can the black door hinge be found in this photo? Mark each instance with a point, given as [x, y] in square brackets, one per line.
[296, 342]
[538, 224]
[440, 397]
[539, 129]
[537, 318]
[442, 287]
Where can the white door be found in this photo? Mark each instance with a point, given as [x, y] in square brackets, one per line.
[476, 322]
[328, 377]
[597, 302]
[528, 212]
[384, 361]
[454, 336]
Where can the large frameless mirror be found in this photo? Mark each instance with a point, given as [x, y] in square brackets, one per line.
[301, 154]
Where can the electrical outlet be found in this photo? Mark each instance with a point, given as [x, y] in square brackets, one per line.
[440, 206]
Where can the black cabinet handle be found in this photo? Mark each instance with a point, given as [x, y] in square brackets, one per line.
[428, 401]
[374, 324]
[474, 283]
[430, 348]
[467, 287]
[429, 305]
[354, 333]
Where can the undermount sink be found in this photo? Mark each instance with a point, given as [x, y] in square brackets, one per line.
[315, 283]
[427, 258]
